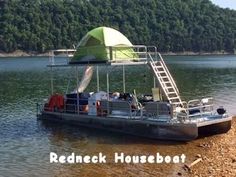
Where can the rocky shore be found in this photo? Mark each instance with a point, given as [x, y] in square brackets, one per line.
[20, 53]
[217, 156]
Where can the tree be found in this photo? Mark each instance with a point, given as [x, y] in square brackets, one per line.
[180, 25]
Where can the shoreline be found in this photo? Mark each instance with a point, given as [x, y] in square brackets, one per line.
[217, 153]
[189, 53]
[20, 53]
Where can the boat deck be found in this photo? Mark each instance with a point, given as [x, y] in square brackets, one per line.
[150, 128]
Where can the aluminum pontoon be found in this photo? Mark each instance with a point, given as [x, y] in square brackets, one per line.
[161, 115]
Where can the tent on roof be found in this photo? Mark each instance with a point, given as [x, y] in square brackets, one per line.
[104, 43]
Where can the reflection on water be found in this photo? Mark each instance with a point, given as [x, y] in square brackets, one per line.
[25, 143]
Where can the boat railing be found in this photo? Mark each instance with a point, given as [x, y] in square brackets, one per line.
[134, 53]
[110, 54]
[103, 108]
[120, 108]
[196, 108]
[67, 53]
[118, 53]
[156, 110]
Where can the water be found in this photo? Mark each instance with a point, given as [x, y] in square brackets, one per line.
[25, 143]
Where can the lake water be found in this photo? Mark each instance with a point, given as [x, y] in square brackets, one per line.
[25, 143]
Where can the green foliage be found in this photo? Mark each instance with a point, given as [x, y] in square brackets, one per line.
[172, 25]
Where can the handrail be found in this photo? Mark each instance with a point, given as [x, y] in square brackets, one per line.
[71, 105]
[168, 74]
[172, 80]
[204, 108]
[152, 61]
[138, 52]
[68, 52]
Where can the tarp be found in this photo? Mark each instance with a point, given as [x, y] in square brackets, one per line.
[104, 43]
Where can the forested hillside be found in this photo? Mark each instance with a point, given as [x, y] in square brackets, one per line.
[172, 25]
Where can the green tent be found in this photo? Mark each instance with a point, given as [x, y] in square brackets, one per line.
[104, 43]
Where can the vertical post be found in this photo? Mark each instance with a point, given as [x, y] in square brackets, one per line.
[110, 52]
[77, 87]
[67, 56]
[52, 89]
[53, 59]
[124, 88]
[77, 78]
[188, 113]
[146, 53]
[155, 53]
[201, 107]
[154, 82]
[97, 80]
[107, 90]
[171, 111]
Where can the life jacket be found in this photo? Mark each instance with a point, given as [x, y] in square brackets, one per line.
[56, 103]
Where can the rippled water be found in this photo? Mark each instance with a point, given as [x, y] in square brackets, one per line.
[25, 143]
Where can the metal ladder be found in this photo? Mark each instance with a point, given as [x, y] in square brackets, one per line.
[165, 79]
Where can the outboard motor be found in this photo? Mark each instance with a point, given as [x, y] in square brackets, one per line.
[221, 111]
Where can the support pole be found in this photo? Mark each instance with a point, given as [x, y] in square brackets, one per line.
[124, 88]
[154, 82]
[107, 90]
[98, 80]
[111, 54]
[108, 82]
[77, 86]
[52, 89]
[52, 58]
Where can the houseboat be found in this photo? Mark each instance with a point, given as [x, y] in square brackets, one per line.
[162, 114]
